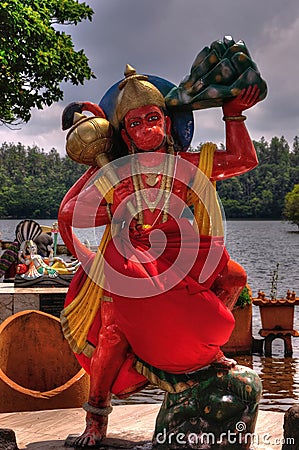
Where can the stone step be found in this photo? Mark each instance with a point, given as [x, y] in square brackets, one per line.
[130, 426]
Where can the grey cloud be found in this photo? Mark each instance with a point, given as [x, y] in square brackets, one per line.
[163, 37]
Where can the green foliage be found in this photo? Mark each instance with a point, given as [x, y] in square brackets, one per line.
[244, 298]
[35, 57]
[32, 182]
[261, 192]
[291, 206]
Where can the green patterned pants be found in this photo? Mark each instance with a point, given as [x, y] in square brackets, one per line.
[218, 412]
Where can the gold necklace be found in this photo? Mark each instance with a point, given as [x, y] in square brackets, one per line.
[141, 190]
[164, 189]
[151, 178]
[152, 204]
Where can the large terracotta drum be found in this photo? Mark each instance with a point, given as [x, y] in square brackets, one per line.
[37, 367]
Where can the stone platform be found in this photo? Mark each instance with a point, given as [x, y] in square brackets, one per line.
[15, 299]
[130, 427]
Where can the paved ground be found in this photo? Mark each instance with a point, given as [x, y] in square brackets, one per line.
[130, 427]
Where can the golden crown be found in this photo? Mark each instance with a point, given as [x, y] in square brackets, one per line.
[135, 91]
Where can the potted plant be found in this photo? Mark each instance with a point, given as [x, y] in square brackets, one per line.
[277, 314]
[240, 341]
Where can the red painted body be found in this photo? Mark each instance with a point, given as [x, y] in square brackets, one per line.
[147, 128]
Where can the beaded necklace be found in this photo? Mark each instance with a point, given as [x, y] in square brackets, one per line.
[164, 190]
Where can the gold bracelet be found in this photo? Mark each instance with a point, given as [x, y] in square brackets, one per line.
[240, 118]
[109, 213]
[98, 411]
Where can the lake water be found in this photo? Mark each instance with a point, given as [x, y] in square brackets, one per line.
[259, 246]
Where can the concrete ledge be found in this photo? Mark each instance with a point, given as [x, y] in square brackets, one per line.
[130, 426]
[15, 299]
[9, 288]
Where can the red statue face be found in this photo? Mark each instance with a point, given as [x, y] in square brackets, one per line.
[146, 127]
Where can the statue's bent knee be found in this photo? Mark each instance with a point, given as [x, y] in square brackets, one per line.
[111, 334]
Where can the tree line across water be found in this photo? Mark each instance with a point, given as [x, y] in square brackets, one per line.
[33, 182]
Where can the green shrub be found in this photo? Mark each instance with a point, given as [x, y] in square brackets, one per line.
[244, 298]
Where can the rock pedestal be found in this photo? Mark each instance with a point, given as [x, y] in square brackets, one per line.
[7, 439]
[291, 429]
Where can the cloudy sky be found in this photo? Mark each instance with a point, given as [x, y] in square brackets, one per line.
[162, 37]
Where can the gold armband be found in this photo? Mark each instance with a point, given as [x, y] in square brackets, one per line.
[240, 118]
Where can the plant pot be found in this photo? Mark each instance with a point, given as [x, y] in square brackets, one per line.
[276, 314]
[38, 370]
[277, 317]
[240, 341]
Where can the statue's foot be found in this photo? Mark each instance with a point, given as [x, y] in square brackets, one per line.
[95, 431]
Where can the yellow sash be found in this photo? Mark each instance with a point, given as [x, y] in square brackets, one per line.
[203, 196]
[78, 316]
